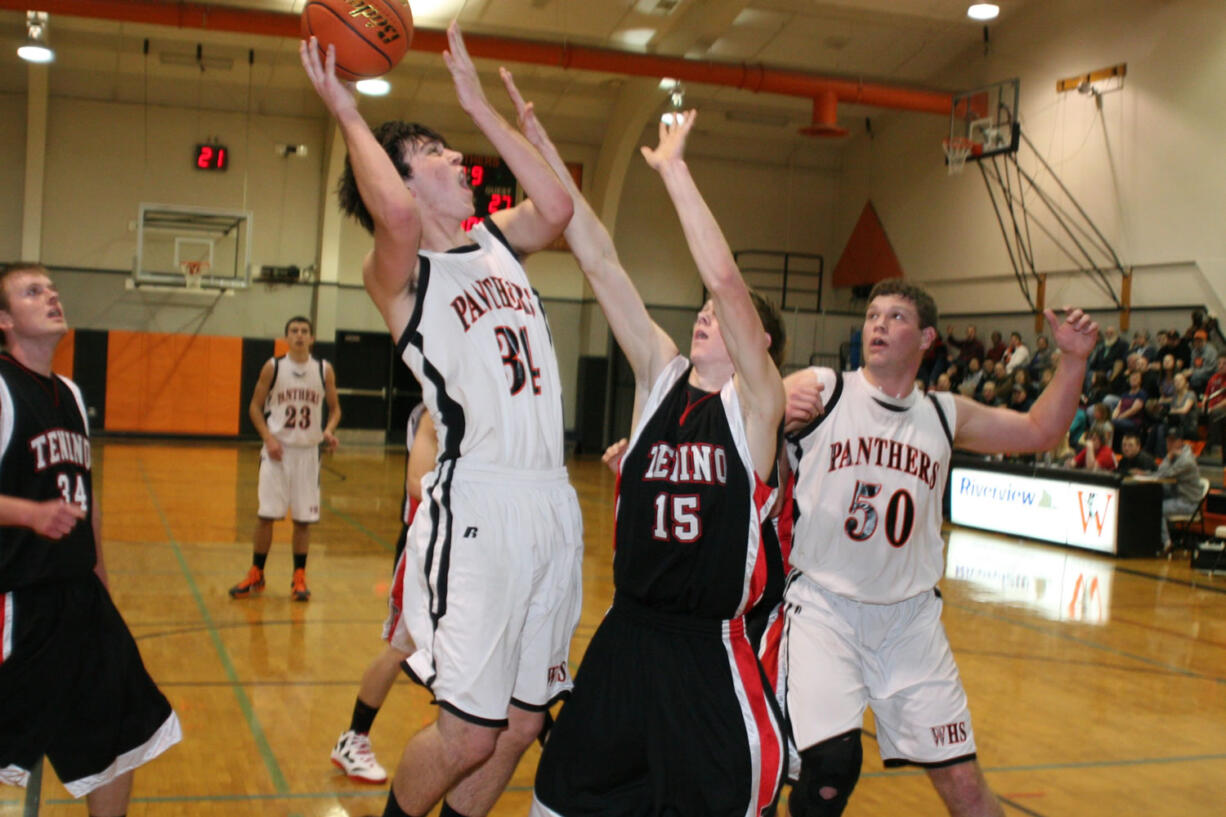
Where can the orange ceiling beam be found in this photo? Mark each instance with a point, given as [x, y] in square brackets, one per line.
[747, 76]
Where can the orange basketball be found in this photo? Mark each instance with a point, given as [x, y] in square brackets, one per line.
[370, 36]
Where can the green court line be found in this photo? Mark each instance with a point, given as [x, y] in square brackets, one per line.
[240, 694]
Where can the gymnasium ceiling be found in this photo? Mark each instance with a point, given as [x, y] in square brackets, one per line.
[907, 43]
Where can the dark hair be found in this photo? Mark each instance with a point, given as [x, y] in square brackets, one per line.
[12, 268]
[924, 305]
[299, 319]
[772, 323]
[1131, 434]
[393, 137]
[1017, 335]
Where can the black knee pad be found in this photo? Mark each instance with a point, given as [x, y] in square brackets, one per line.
[834, 764]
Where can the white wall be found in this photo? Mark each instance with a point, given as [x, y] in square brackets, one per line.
[1144, 167]
[105, 158]
[12, 171]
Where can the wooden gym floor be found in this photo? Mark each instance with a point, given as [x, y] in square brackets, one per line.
[1098, 687]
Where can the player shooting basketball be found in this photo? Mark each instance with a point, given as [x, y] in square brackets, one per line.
[494, 594]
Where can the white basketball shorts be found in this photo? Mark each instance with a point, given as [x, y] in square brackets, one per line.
[844, 655]
[291, 484]
[492, 589]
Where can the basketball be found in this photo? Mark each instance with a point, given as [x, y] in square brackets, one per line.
[371, 36]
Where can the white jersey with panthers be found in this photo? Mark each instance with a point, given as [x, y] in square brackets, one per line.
[294, 408]
[870, 477]
[479, 344]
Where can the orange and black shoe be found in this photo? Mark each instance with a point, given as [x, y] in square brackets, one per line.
[252, 583]
[298, 589]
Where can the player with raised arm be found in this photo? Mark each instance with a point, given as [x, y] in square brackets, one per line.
[496, 549]
[689, 726]
[864, 615]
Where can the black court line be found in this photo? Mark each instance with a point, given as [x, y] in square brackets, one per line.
[1085, 642]
[1212, 588]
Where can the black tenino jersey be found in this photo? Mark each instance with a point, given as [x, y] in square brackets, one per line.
[690, 507]
[44, 454]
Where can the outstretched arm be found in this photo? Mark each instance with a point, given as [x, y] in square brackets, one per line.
[538, 221]
[391, 266]
[1003, 431]
[760, 386]
[647, 347]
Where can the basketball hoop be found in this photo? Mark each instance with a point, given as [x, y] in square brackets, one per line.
[957, 150]
[193, 273]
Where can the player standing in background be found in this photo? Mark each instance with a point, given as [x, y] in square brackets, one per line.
[688, 725]
[492, 584]
[864, 615]
[72, 683]
[287, 410]
[353, 752]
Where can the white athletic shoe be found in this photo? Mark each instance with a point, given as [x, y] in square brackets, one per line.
[353, 755]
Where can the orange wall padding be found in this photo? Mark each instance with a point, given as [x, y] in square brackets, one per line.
[868, 256]
[173, 384]
[280, 347]
[62, 363]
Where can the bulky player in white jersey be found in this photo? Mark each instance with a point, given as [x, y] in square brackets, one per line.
[871, 456]
[495, 550]
[287, 409]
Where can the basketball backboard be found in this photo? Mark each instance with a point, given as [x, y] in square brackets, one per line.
[987, 118]
[171, 238]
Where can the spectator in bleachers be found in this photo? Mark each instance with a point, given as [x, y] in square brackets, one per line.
[1004, 380]
[1105, 355]
[1100, 421]
[987, 393]
[968, 347]
[972, 379]
[1183, 414]
[942, 382]
[1215, 410]
[1204, 360]
[1019, 398]
[1184, 495]
[1021, 377]
[1129, 412]
[1133, 459]
[1165, 389]
[1041, 358]
[934, 362]
[1095, 455]
[997, 350]
[1141, 345]
[1017, 356]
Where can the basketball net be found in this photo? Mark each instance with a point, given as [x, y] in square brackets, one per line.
[957, 150]
[193, 272]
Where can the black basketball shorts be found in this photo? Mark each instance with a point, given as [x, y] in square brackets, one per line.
[670, 717]
[73, 687]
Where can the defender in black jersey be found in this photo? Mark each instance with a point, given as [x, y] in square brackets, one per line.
[672, 713]
[72, 684]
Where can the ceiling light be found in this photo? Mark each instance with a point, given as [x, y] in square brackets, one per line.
[35, 48]
[668, 83]
[983, 11]
[373, 87]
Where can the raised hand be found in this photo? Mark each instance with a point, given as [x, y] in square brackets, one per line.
[1076, 334]
[672, 140]
[529, 125]
[463, 73]
[337, 95]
